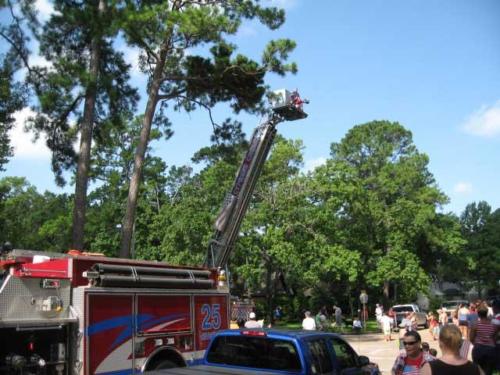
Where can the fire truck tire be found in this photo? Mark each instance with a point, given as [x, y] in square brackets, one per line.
[163, 364]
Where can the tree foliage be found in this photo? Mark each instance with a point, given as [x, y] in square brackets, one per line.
[13, 93]
[31, 220]
[383, 200]
[165, 32]
[83, 92]
[480, 228]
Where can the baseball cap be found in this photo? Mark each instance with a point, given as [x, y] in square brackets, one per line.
[252, 315]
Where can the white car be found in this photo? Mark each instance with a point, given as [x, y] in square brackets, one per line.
[449, 306]
[402, 310]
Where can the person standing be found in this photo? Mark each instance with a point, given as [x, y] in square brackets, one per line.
[413, 324]
[378, 312]
[386, 323]
[320, 320]
[463, 324]
[252, 321]
[411, 360]
[357, 325]
[450, 363]
[496, 321]
[308, 322]
[443, 317]
[433, 326]
[473, 317]
[338, 316]
[391, 314]
[454, 318]
[483, 335]
[277, 313]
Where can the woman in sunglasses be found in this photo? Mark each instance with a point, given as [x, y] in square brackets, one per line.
[451, 363]
[411, 360]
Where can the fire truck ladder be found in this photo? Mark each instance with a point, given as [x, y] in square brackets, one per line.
[229, 220]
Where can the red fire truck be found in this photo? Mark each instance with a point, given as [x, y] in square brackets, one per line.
[81, 313]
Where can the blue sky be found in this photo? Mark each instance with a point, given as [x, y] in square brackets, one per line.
[433, 66]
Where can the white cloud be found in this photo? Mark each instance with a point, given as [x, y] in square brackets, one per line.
[311, 164]
[37, 60]
[131, 56]
[246, 31]
[463, 188]
[44, 8]
[285, 4]
[22, 142]
[484, 122]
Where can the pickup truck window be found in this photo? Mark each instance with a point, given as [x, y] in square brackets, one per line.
[255, 352]
[345, 355]
[321, 360]
[399, 309]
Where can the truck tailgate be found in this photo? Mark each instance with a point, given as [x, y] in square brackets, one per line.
[209, 370]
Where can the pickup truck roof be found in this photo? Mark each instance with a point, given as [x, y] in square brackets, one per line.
[208, 370]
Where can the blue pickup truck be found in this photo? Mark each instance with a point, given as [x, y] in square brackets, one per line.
[252, 352]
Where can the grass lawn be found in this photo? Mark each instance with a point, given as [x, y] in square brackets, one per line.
[371, 327]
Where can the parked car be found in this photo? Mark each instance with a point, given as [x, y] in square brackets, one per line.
[402, 310]
[452, 305]
[263, 351]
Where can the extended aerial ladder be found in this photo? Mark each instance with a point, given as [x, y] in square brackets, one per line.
[286, 106]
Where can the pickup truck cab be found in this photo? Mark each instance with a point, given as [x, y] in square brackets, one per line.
[401, 311]
[278, 352]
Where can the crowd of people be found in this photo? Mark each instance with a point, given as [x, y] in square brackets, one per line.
[322, 321]
[476, 325]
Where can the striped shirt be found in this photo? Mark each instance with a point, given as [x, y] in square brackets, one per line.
[484, 333]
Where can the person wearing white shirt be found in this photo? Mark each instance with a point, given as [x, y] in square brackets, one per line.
[252, 321]
[386, 323]
[308, 323]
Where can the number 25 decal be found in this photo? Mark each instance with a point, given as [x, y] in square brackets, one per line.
[211, 316]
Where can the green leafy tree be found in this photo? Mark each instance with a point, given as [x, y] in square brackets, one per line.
[442, 250]
[12, 99]
[480, 228]
[113, 162]
[83, 91]
[31, 220]
[165, 32]
[273, 233]
[384, 200]
[182, 230]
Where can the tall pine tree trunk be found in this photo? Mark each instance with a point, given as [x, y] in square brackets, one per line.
[135, 181]
[83, 167]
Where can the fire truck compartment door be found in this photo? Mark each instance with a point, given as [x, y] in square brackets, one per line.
[163, 314]
[109, 329]
[211, 315]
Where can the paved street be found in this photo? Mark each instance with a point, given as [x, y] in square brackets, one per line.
[381, 352]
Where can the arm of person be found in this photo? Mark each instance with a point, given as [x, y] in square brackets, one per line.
[495, 333]
[426, 369]
[397, 368]
[472, 334]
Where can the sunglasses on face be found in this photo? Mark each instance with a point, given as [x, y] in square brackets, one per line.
[406, 343]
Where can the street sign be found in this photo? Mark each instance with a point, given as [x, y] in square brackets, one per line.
[363, 298]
